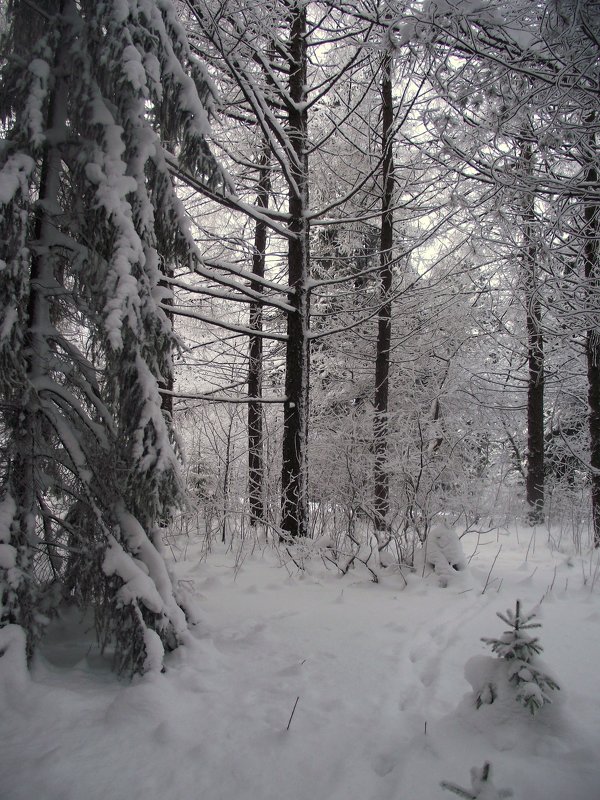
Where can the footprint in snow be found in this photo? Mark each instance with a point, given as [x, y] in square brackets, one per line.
[284, 614]
[162, 733]
[397, 627]
[293, 669]
[233, 639]
[431, 671]
[384, 763]
[419, 651]
[438, 634]
[409, 702]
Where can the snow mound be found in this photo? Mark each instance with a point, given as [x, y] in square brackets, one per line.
[444, 552]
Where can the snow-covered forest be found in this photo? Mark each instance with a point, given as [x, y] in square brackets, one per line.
[300, 387]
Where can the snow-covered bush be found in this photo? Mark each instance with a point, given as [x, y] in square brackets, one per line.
[518, 651]
[444, 552]
[482, 787]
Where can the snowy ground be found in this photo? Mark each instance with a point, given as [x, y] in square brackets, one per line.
[384, 709]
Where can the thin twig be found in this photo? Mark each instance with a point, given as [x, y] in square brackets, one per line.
[292, 714]
[491, 570]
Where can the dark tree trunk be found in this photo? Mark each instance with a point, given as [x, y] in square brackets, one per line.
[255, 355]
[226, 473]
[535, 414]
[535, 358]
[167, 382]
[27, 480]
[592, 277]
[384, 327]
[294, 510]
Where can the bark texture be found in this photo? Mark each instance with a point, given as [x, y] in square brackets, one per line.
[384, 318]
[294, 511]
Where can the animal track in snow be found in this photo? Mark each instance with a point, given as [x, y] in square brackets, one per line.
[384, 763]
[431, 671]
[419, 652]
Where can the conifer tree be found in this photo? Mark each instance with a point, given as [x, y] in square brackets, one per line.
[92, 96]
[518, 649]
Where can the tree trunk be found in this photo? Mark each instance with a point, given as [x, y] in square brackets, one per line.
[27, 470]
[226, 472]
[535, 357]
[591, 251]
[294, 510]
[167, 383]
[384, 321]
[255, 355]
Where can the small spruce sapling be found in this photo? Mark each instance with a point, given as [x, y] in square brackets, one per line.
[482, 787]
[519, 650]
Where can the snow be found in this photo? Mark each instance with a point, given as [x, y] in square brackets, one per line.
[8, 553]
[11, 317]
[152, 69]
[14, 177]
[8, 509]
[153, 564]
[33, 113]
[382, 671]
[157, 456]
[137, 585]
[482, 786]
[162, 15]
[134, 70]
[154, 651]
[120, 10]
[8, 557]
[444, 552]
[15, 678]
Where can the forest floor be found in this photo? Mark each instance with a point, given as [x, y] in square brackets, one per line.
[376, 673]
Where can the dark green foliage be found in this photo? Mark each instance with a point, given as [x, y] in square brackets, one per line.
[95, 98]
[519, 649]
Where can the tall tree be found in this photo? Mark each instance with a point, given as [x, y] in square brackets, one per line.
[265, 54]
[89, 221]
[255, 354]
[591, 262]
[536, 64]
[384, 316]
[535, 347]
[294, 468]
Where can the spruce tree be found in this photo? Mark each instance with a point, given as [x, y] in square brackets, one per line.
[95, 99]
[519, 649]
